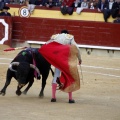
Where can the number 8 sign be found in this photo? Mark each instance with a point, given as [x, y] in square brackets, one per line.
[23, 12]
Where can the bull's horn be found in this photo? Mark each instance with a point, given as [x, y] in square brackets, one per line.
[13, 64]
[34, 67]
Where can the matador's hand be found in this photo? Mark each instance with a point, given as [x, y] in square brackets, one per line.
[80, 61]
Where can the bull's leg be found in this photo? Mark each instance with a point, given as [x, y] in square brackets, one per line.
[8, 80]
[28, 87]
[44, 78]
[18, 91]
[42, 88]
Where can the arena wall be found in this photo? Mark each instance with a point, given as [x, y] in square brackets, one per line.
[85, 32]
[88, 28]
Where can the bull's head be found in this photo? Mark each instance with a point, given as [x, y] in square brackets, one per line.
[22, 71]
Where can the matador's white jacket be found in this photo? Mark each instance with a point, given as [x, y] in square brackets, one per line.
[65, 39]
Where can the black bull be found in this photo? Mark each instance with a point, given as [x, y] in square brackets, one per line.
[24, 73]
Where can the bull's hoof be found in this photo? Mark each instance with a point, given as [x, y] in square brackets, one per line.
[2, 93]
[18, 92]
[41, 95]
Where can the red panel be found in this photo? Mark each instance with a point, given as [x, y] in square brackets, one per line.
[2, 29]
[85, 32]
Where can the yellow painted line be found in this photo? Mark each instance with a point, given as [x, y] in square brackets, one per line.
[57, 15]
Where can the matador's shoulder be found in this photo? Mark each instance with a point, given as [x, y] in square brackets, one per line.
[69, 36]
[54, 36]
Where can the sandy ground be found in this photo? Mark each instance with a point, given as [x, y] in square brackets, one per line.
[98, 98]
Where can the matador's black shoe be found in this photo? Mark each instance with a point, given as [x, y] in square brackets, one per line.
[53, 100]
[71, 101]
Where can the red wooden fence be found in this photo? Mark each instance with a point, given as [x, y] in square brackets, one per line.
[41, 29]
[88, 33]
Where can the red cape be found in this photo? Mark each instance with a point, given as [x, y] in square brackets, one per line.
[63, 57]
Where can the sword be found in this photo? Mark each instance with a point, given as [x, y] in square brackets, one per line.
[81, 75]
[10, 49]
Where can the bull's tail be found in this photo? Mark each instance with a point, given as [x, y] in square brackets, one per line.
[52, 71]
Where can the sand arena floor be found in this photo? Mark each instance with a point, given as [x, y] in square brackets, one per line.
[98, 98]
